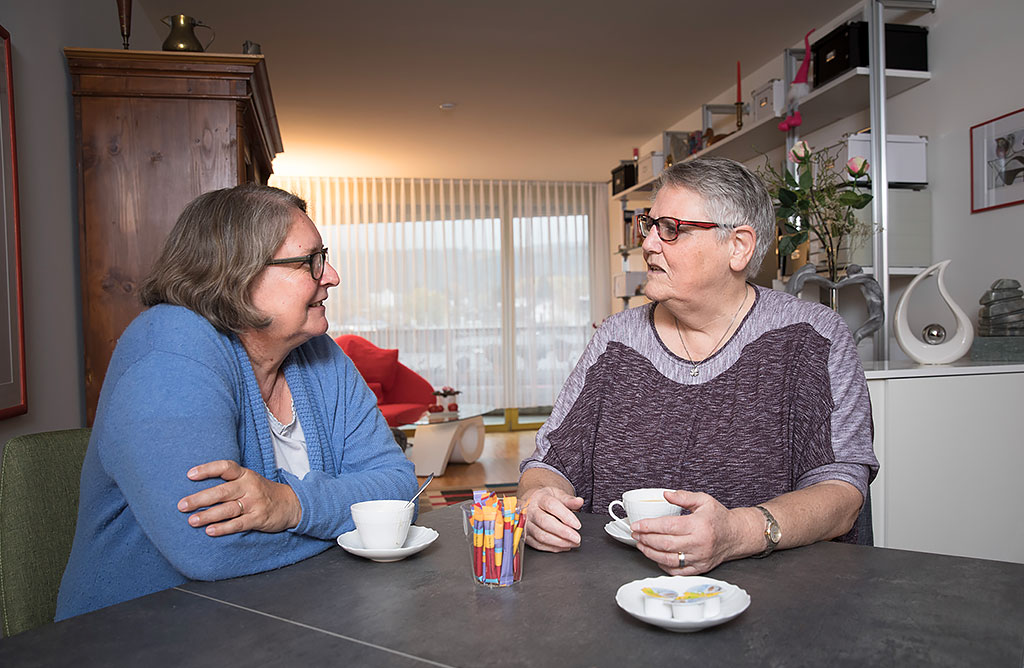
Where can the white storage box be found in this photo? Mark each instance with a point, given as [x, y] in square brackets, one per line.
[629, 284]
[769, 100]
[906, 157]
[650, 166]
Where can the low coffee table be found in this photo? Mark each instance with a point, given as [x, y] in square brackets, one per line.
[457, 438]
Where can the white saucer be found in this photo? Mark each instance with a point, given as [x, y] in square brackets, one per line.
[418, 538]
[615, 530]
[630, 599]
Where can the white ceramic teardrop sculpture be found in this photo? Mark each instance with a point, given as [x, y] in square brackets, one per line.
[956, 346]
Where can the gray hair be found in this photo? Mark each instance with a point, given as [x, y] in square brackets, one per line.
[732, 196]
[219, 245]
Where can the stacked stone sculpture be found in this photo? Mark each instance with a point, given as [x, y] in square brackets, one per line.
[1002, 310]
[1000, 323]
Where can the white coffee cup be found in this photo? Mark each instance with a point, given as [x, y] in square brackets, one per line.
[382, 525]
[642, 504]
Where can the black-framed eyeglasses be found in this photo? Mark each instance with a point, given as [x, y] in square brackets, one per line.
[668, 227]
[316, 260]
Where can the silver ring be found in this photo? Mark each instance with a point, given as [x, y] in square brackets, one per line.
[682, 560]
[241, 511]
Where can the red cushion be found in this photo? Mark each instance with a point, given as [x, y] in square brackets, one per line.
[378, 390]
[375, 365]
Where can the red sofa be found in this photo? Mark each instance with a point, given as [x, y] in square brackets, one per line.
[402, 394]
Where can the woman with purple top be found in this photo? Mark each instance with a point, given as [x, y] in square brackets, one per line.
[232, 434]
[751, 403]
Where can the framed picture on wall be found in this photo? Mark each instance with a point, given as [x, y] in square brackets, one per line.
[997, 162]
[13, 398]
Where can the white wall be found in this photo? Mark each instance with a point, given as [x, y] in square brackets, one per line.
[44, 123]
[974, 53]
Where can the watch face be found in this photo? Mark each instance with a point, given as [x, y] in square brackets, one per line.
[774, 533]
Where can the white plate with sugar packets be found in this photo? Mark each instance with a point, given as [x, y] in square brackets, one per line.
[418, 539]
[615, 530]
[733, 601]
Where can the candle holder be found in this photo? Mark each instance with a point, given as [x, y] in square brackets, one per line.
[708, 111]
[124, 16]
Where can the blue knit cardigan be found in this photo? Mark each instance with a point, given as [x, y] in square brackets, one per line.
[179, 393]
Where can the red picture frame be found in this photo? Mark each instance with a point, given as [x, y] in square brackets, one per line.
[997, 162]
[13, 386]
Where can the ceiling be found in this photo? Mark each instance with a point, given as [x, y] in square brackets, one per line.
[544, 89]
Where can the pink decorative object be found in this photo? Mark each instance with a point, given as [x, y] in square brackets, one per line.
[798, 89]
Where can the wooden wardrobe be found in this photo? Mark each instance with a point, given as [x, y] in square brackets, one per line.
[153, 131]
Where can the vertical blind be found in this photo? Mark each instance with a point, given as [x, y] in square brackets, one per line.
[481, 285]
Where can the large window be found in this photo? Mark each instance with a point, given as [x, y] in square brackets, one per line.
[481, 285]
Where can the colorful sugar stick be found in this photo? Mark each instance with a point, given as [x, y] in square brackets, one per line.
[518, 560]
[494, 546]
[499, 535]
[487, 550]
[478, 541]
[496, 569]
[511, 513]
[488, 512]
[509, 557]
[505, 546]
[520, 526]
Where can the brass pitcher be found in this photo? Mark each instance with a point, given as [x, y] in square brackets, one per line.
[182, 36]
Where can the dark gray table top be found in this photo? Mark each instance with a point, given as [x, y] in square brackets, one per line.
[826, 604]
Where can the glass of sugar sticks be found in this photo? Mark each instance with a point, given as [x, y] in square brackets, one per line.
[495, 529]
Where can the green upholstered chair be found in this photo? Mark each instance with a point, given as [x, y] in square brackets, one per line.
[39, 478]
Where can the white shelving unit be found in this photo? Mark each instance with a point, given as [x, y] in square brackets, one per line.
[857, 90]
[839, 98]
[626, 253]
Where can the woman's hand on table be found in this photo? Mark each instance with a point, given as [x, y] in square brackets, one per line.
[551, 522]
[246, 501]
[709, 535]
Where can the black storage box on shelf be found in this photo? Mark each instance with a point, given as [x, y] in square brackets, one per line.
[623, 176]
[846, 47]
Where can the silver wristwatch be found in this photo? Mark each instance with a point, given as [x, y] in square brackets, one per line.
[772, 533]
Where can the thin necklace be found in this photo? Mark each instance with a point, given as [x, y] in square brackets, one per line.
[695, 369]
[271, 413]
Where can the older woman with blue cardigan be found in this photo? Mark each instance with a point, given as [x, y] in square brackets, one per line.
[232, 434]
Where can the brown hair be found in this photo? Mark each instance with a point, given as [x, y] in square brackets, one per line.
[219, 245]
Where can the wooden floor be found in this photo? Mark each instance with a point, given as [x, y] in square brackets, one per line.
[499, 462]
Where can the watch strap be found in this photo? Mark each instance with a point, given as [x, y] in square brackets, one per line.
[770, 524]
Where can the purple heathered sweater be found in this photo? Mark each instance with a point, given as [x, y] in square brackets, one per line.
[781, 406]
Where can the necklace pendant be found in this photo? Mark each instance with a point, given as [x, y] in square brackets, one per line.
[694, 372]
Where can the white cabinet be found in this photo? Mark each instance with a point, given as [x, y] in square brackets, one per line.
[951, 449]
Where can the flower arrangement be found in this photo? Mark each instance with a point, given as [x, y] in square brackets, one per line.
[442, 405]
[821, 200]
[446, 392]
